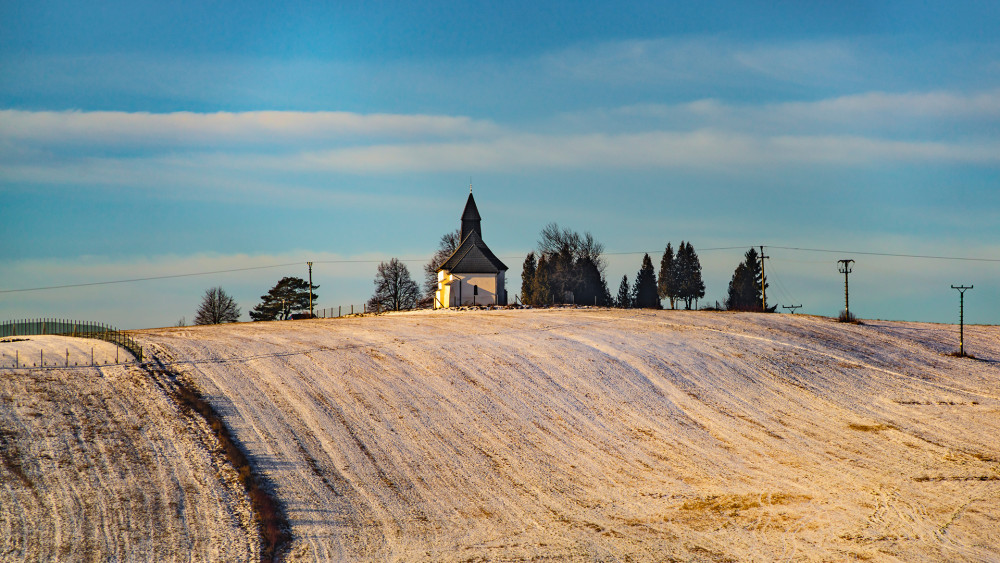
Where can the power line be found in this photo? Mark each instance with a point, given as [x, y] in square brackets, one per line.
[967, 258]
[145, 279]
[375, 261]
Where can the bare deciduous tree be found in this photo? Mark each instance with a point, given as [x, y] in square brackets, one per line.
[217, 307]
[394, 290]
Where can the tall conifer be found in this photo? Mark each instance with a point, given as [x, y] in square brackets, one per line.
[527, 277]
[666, 286]
[745, 286]
[541, 287]
[645, 286]
[691, 285]
[624, 300]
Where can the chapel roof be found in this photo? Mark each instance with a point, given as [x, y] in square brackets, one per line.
[473, 256]
[471, 212]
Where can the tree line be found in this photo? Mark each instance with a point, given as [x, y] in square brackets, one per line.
[565, 268]
[568, 268]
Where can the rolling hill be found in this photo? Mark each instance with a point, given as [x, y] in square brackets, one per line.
[551, 435]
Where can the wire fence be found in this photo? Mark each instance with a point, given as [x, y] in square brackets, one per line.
[79, 329]
[343, 311]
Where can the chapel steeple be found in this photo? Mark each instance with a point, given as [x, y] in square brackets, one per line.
[471, 221]
[472, 275]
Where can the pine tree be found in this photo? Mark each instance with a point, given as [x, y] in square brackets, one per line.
[527, 277]
[286, 297]
[591, 288]
[690, 283]
[666, 286]
[645, 295]
[624, 300]
[574, 270]
[541, 289]
[745, 286]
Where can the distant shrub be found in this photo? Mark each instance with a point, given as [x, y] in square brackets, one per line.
[848, 317]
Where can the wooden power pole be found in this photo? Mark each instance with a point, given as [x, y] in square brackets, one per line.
[763, 286]
[845, 268]
[961, 317]
[310, 289]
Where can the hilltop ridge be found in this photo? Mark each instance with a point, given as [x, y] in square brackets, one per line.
[590, 434]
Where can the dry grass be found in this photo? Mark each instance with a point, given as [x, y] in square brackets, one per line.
[736, 503]
[868, 427]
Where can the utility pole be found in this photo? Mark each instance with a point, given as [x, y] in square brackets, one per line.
[310, 289]
[961, 317]
[845, 268]
[763, 288]
[792, 307]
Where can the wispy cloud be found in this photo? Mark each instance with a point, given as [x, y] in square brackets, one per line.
[689, 150]
[914, 115]
[710, 60]
[187, 129]
[272, 154]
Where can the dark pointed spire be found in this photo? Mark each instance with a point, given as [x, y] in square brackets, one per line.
[470, 217]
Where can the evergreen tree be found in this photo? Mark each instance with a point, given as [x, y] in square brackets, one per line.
[527, 277]
[591, 287]
[689, 282]
[287, 296]
[644, 292]
[574, 270]
[541, 291]
[666, 284]
[624, 300]
[745, 286]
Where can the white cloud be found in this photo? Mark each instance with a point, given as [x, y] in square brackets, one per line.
[704, 149]
[275, 175]
[186, 129]
[274, 154]
[911, 114]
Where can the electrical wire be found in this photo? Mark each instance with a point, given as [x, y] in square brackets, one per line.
[781, 286]
[924, 256]
[192, 274]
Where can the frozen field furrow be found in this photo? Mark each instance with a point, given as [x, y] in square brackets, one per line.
[584, 435]
[98, 465]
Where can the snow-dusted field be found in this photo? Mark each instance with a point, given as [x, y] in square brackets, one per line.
[592, 435]
[97, 464]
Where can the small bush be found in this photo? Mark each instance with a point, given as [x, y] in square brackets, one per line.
[848, 317]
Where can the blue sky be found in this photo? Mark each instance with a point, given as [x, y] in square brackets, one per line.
[139, 139]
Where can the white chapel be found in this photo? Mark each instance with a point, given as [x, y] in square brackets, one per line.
[472, 275]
